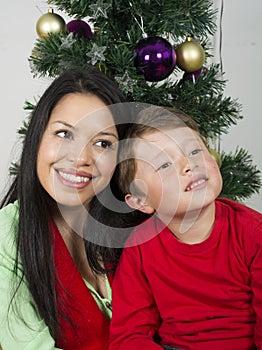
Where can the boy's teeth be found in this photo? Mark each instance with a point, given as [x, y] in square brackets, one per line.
[73, 178]
[194, 184]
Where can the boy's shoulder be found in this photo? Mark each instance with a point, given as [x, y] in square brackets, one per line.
[238, 210]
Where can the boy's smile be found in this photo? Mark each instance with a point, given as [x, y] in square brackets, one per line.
[175, 173]
[197, 184]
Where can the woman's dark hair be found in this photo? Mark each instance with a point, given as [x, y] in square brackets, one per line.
[34, 244]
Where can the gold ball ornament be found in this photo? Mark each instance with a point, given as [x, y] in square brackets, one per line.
[216, 156]
[190, 55]
[50, 23]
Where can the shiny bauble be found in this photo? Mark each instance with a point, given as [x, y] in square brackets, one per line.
[216, 156]
[50, 23]
[190, 55]
[193, 75]
[80, 28]
[155, 58]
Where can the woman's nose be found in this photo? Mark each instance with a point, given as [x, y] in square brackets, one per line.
[82, 155]
[86, 156]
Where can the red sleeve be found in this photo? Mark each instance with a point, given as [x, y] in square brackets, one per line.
[135, 316]
[255, 260]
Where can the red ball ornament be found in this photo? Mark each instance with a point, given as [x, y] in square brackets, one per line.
[79, 27]
[155, 58]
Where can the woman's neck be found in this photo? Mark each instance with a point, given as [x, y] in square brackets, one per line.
[76, 247]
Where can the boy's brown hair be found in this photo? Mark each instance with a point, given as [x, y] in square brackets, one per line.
[148, 120]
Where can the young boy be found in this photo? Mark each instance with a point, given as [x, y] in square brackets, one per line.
[190, 276]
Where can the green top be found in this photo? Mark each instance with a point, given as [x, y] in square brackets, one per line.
[14, 333]
[104, 304]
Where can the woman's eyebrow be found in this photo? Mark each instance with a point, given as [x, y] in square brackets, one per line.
[64, 123]
[101, 133]
[106, 133]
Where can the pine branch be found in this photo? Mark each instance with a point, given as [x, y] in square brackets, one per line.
[179, 18]
[241, 179]
[29, 107]
[74, 8]
[204, 101]
[13, 169]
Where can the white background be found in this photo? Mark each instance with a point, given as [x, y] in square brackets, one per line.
[241, 58]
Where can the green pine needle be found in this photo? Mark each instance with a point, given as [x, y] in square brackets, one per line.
[241, 178]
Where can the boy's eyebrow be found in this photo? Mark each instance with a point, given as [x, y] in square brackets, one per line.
[155, 156]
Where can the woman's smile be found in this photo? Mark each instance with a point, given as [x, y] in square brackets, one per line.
[74, 179]
[78, 152]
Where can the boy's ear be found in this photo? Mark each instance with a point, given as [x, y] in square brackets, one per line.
[138, 203]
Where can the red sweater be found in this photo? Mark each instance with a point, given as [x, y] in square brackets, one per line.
[205, 296]
[90, 329]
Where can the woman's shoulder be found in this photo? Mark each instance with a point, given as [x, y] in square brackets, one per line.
[9, 212]
[9, 217]
[8, 229]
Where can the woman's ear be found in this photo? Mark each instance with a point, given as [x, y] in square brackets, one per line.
[138, 203]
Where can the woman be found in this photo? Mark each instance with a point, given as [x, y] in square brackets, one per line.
[51, 296]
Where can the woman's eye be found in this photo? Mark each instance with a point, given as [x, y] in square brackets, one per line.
[65, 134]
[104, 144]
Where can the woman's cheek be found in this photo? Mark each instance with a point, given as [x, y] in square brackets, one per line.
[107, 163]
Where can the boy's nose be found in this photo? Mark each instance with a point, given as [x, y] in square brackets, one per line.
[186, 165]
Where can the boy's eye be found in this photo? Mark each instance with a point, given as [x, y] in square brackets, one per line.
[65, 134]
[104, 144]
[164, 165]
[196, 151]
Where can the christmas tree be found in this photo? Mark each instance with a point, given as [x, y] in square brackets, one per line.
[158, 52]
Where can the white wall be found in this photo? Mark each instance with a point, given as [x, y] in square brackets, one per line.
[17, 28]
[241, 57]
[242, 64]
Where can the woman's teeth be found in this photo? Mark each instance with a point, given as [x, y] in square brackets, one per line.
[73, 178]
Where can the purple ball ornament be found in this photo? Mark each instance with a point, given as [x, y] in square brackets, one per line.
[80, 28]
[192, 76]
[155, 58]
